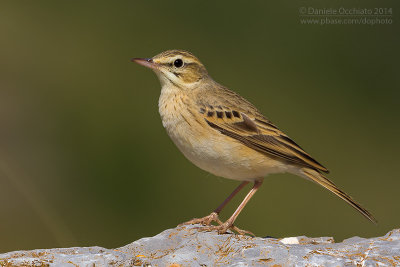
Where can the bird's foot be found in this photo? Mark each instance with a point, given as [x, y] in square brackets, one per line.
[207, 220]
[223, 228]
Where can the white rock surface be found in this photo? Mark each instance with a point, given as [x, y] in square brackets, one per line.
[186, 246]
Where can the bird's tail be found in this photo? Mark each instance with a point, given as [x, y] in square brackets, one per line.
[318, 178]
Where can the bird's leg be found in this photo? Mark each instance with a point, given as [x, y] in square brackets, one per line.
[222, 228]
[213, 217]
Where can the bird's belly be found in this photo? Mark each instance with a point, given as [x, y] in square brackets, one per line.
[210, 150]
[223, 156]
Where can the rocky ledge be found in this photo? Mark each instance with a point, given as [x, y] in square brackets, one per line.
[186, 246]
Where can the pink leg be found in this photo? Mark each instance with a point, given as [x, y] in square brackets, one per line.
[207, 220]
[226, 201]
[229, 223]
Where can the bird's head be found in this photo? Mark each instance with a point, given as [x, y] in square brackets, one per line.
[176, 67]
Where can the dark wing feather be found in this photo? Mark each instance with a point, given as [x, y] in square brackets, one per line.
[256, 132]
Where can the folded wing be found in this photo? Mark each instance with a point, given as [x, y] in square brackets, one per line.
[258, 133]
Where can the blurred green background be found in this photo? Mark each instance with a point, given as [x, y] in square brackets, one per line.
[84, 159]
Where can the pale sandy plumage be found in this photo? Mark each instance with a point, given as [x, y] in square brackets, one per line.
[224, 134]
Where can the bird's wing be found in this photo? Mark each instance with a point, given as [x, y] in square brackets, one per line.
[255, 131]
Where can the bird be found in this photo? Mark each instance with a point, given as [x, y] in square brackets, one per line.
[222, 133]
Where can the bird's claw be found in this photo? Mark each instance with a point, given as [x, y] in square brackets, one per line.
[224, 227]
[207, 220]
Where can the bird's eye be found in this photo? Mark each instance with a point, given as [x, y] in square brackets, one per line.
[178, 63]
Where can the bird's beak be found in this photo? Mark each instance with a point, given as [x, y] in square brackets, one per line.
[147, 62]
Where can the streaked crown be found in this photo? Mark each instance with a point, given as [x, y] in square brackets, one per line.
[179, 67]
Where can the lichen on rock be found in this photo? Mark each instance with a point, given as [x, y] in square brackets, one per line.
[186, 246]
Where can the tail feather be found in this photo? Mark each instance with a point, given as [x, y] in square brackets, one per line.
[325, 182]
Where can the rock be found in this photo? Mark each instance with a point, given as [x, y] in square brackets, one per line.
[186, 246]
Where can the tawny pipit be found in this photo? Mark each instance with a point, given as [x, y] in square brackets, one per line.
[223, 133]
